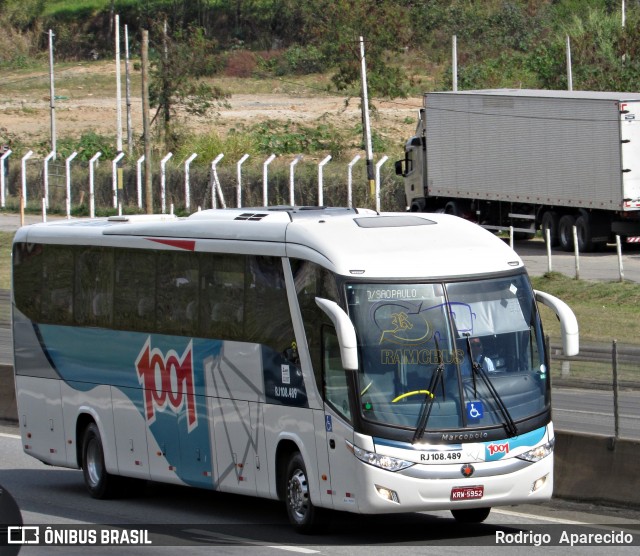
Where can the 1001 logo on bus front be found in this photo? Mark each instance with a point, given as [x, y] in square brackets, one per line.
[167, 381]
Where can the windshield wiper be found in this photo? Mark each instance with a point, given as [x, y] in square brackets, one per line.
[427, 403]
[476, 369]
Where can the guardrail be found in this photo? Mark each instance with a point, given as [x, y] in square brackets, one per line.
[601, 353]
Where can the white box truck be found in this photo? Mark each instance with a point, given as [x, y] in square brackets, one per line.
[530, 159]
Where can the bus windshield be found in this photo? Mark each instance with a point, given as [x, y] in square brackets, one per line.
[447, 356]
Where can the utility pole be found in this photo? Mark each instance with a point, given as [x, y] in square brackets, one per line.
[569, 70]
[118, 87]
[52, 94]
[128, 90]
[365, 121]
[165, 97]
[454, 63]
[145, 122]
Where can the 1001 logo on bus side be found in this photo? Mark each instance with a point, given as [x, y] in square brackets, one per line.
[167, 380]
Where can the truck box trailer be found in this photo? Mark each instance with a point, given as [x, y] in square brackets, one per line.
[530, 159]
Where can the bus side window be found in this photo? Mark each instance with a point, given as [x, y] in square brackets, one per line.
[57, 280]
[27, 278]
[177, 288]
[267, 315]
[135, 289]
[94, 287]
[222, 296]
[336, 390]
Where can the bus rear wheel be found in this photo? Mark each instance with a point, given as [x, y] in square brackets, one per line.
[98, 481]
[303, 515]
[471, 515]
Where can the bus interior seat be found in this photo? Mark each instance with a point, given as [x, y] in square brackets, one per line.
[100, 305]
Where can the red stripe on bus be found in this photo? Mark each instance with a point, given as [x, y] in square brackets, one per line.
[186, 244]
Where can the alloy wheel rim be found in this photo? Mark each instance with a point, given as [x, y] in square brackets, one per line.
[298, 493]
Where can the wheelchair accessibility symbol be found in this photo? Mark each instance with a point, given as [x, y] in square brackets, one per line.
[475, 410]
[328, 423]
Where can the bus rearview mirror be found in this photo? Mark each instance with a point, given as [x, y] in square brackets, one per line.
[345, 331]
[568, 321]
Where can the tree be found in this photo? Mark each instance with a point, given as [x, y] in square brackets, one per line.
[336, 25]
[176, 76]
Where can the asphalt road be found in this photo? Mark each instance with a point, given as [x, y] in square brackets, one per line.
[201, 522]
[603, 265]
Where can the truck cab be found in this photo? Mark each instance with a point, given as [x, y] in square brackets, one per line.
[413, 168]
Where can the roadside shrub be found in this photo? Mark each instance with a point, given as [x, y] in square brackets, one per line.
[87, 145]
[240, 63]
[302, 60]
[16, 47]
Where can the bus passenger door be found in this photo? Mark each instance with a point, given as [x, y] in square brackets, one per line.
[338, 429]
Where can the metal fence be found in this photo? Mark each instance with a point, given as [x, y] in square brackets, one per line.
[119, 183]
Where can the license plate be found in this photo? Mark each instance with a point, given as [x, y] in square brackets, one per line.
[467, 493]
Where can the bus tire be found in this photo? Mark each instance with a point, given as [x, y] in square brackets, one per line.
[99, 482]
[565, 232]
[471, 515]
[303, 515]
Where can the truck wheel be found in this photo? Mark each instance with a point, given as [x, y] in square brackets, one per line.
[565, 232]
[550, 222]
[584, 231]
[452, 208]
[303, 515]
[471, 515]
[98, 481]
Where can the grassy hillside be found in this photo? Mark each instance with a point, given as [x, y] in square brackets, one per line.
[501, 43]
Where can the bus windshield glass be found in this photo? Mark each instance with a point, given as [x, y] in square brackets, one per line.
[472, 352]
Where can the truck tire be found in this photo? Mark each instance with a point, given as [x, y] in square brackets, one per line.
[550, 222]
[585, 234]
[452, 208]
[565, 232]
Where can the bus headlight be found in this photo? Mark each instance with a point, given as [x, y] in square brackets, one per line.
[377, 460]
[538, 452]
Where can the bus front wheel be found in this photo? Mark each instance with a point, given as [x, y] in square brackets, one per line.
[98, 481]
[471, 515]
[303, 515]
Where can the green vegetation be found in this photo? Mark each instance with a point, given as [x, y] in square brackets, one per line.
[602, 308]
[500, 42]
[5, 259]
[606, 311]
[313, 47]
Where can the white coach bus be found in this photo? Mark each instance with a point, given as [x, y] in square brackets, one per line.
[325, 357]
